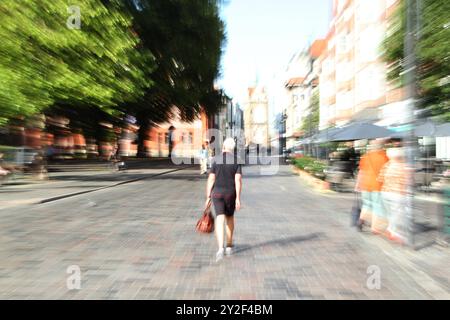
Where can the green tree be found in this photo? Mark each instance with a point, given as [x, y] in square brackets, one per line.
[186, 38]
[136, 57]
[44, 63]
[311, 122]
[432, 50]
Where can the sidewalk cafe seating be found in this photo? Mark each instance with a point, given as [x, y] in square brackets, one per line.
[336, 174]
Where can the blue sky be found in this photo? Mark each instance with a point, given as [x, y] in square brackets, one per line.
[262, 35]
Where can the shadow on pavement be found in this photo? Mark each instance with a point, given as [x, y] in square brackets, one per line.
[278, 174]
[112, 176]
[280, 242]
[102, 178]
[181, 176]
[197, 176]
[425, 235]
[13, 191]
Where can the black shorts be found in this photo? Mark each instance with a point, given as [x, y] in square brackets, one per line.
[224, 204]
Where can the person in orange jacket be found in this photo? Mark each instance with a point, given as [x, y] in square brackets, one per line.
[370, 186]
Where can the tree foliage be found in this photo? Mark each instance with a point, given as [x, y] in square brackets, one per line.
[432, 51]
[44, 63]
[186, 38]
[139, 57]
[311, 122]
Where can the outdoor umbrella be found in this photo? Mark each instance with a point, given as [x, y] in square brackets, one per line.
[443, 130]
[324, 135]
[306, 140]
[359, 131]
[426, 129]
[314, 137]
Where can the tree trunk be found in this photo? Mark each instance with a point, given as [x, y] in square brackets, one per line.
[143, 131]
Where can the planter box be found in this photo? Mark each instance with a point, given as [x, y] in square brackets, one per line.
[312, 180]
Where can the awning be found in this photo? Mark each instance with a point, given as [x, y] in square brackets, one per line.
[443, 130]
[426, 129]
[325, 135]
[361, 130]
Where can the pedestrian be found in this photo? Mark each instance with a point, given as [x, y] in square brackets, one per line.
[224, 190]
[203, 160]
[3, 172]
[350, 159]
[372, 211]
[394, 177]
[171, 140]
[210, 153]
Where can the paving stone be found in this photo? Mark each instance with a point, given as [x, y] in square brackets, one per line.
[139, 242]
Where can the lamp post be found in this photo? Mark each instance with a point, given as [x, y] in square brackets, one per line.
[283, 131]
[410, 75]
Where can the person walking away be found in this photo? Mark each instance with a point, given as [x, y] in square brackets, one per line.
[224, 189]
[372, 211]
[203, 160]
[394, 177]
[210, 152]
[350, 159]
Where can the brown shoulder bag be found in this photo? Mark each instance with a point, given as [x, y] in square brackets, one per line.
[206, 222]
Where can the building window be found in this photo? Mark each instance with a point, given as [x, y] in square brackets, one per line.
[344, 71]
[166, 138]
[187, 138]
[344, 100]
[369, 42]
[369, 11]
[370, 84]
[343, 43]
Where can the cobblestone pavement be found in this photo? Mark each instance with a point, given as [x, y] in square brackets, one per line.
[137, 241]
[26, 191]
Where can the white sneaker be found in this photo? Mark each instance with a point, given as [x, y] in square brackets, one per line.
[219, 255]
[229, 251]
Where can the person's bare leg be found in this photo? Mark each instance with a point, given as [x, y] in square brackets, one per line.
[220, 220]
[230, 230]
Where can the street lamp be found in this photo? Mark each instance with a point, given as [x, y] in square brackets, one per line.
[410, 74]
